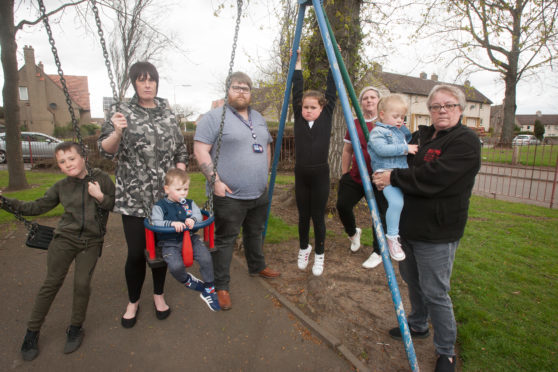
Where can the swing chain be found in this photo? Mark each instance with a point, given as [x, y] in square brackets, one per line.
[8, 207]
[104, 47]
[100, 212]
[209, 203]
[63, 81]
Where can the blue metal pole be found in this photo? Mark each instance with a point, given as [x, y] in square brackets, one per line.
[284, 109]
[392, 282]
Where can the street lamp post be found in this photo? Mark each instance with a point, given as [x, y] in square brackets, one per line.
[179, 85]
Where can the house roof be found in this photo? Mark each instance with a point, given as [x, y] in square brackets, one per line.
[397, 83]
[530, 119]
[78, 87]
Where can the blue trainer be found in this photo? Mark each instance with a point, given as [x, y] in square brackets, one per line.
[210, 297]
[194, 283]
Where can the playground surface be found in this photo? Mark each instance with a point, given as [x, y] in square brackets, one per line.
[257, 334]
[352, 303]
[298, 322]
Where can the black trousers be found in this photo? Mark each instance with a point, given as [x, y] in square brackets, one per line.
[135, 263]
[231, 215]
[311, 192]
[348, 195]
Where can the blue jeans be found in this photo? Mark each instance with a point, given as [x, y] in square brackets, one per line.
[394, 197]
[230, 215]
[172, 254]
[427, 272]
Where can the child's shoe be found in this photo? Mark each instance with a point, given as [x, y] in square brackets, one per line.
[318, 267]
[210, 297]
[395, 250]
[374, 260]
[73, 341]
[194, 283]
[30, 347]
[355, 240]
[303, 257]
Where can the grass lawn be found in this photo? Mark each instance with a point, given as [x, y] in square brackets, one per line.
[504, 284]
[542, 155]
[39, 182]
[505, 287]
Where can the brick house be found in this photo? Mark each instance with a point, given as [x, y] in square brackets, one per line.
[42, 102]
[416, 89]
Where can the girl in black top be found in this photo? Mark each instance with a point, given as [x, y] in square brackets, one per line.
[313, 113]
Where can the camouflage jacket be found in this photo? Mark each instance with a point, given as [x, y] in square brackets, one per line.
[150, 145]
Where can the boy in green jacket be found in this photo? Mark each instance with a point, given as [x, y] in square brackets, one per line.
[78, 237]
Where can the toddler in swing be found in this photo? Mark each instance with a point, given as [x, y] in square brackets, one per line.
[388, 148]
[176, 211]
[77, 238]
[312, 130]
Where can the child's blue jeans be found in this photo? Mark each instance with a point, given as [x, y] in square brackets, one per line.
[172, 254]
[394, 197]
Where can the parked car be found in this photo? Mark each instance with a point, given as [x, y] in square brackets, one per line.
[525, 139]
[33, 144]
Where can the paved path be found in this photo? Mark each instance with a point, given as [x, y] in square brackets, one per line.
[258, 334]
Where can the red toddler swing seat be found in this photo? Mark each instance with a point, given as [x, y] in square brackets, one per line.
[153, 255]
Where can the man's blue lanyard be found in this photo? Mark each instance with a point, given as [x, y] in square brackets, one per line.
[248, 123]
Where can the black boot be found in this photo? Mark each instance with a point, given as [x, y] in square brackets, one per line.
[73, 341]
[30, 347]
[445, 363]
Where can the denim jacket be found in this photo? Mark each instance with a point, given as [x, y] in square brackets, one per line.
[387, 146]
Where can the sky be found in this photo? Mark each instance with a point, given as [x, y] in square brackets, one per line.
[194, 77]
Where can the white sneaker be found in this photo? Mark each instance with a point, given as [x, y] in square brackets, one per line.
[355, 240]
[318, 267]
[303, 256]
[374, 260]
[395, 250]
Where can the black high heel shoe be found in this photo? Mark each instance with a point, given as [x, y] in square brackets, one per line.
[162, 315]
[129, 323]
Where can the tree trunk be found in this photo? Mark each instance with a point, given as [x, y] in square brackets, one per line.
[344, 17]
[338, 131]
[509, 110]
[16, 171]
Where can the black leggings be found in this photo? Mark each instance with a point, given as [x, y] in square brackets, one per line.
[312, 191]
[349, 194]
[135, 263]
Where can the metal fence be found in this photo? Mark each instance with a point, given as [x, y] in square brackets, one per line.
[286, 160]
[526, 174]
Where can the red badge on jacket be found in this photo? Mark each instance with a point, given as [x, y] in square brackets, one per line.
[432, 154]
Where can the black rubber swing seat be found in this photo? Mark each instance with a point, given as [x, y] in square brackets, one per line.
[39, 236]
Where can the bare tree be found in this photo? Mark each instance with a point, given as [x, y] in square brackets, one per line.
[274, 70]
[135, 38]
[8, 30]
[517, 37]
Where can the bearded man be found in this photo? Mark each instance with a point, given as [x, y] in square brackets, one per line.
[240, 189]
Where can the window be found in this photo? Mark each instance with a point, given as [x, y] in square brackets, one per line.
[23, 96]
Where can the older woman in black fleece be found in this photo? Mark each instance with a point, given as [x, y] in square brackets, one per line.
[437, 187]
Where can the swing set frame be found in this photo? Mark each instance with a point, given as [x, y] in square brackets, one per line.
[342, 81]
